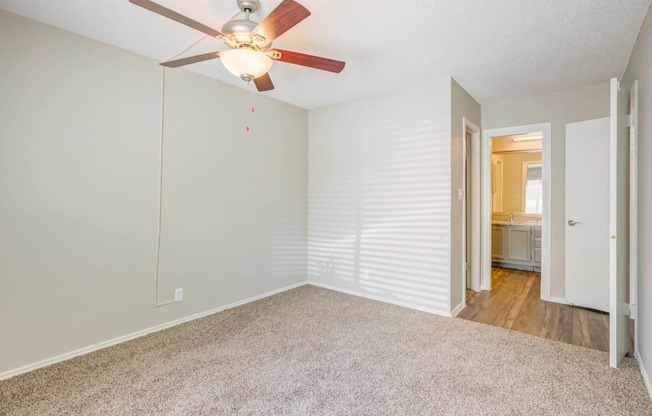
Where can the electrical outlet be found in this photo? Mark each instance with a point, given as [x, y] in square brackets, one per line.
[178, 294]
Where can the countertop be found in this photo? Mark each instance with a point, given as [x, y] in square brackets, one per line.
[518, 222]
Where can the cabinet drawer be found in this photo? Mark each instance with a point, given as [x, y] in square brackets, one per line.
[537, 255]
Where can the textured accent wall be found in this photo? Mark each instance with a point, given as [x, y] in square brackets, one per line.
[379, 203]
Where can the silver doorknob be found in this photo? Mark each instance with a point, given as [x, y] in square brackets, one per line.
[572, 223]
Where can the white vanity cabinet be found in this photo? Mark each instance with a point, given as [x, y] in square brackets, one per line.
[516, 246]
[497, 243]
[536, 241]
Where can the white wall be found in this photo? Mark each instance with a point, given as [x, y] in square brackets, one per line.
[462, 105]
[558, 109]
[640, 68]
[79, 131]
[380, 196]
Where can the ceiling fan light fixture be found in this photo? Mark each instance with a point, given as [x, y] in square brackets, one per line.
[246, 63]
[251, 56]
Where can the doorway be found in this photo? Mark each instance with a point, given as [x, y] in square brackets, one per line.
[471, 207]
[515, 178]
[517, 201]
[515, 209]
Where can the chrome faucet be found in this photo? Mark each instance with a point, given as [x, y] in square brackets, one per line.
[511, 216]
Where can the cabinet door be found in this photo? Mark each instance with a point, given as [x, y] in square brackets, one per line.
[497, 243]
[519, 242]
[536, 238]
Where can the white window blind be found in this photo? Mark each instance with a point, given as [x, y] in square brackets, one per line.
[534, 190]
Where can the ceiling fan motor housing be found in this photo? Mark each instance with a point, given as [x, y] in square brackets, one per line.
[238, 31]
[238, 26]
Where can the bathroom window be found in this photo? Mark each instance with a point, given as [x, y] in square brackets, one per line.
[533, 191]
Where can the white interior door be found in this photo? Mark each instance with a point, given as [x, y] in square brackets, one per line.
[587, 213]
[618, 226]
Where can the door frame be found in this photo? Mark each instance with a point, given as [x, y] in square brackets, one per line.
[633, 209]
[619, 257]
[470, 127]
[485, 239]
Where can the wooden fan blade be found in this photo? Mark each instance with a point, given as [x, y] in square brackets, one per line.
[191, 59]
[310, 61]
[170, 14]
[285, 16]
[264, 83]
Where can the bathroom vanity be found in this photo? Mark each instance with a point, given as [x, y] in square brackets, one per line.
[516, 245]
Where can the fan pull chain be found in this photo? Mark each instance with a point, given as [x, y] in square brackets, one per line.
[247, 107]
[251, 108]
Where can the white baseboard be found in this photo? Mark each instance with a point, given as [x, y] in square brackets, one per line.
[646, 378]
[82, 351]
[380, 299]
[457, 310]
[558, 299]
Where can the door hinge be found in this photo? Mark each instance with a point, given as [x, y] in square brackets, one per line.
[630, 120]
[632, 311]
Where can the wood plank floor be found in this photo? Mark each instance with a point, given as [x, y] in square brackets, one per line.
[514, 303]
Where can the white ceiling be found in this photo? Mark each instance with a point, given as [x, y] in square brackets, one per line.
[495, 49]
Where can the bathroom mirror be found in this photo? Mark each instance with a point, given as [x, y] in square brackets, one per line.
[517, 183]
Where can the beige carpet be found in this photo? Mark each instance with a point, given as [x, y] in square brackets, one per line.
[312, 351]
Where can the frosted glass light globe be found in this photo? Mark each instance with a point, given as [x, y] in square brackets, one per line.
[246, 63]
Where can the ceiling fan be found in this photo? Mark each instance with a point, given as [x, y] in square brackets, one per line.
[251, 55]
